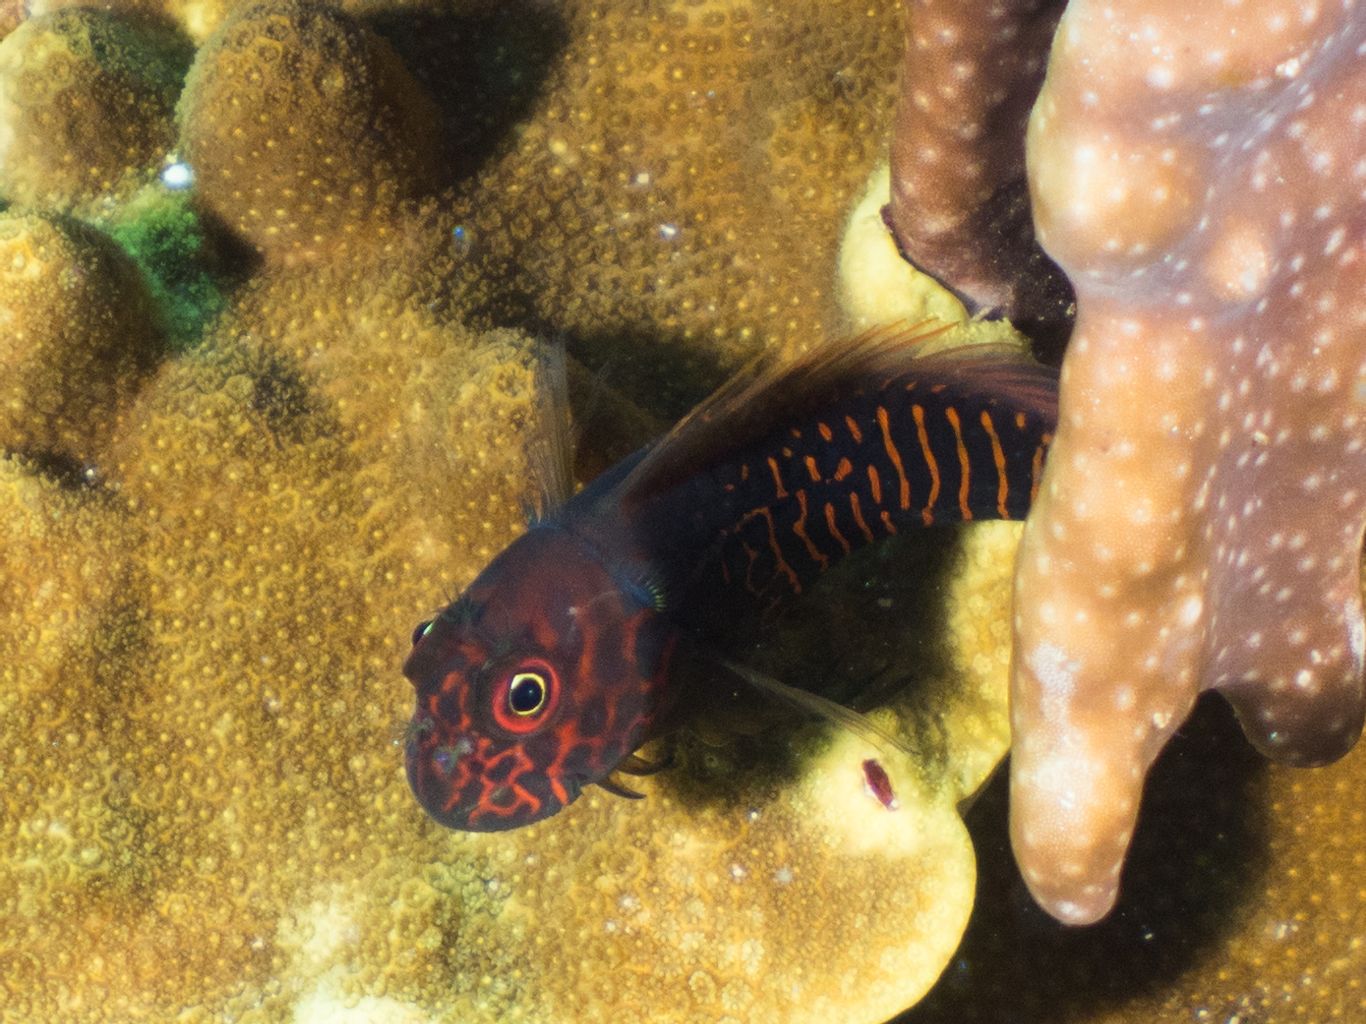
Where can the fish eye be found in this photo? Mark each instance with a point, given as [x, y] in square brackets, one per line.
[526, 694]
[423, 628]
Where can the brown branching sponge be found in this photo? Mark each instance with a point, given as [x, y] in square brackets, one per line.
[959, 207]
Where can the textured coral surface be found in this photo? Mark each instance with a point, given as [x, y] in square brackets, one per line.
[210, 564]
[1200, 521]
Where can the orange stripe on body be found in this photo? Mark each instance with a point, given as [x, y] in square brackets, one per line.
[858, 516]
[835, 530]
[999, 457]
[812, 470]
[854, 431]
[774, 546]
[826, 432]
[753, 557]
[927, 513]
[895, 456]
[777, 477]
[965, 477]
[875, 483]
[1036, 471]
[843, 469]
[799, 528]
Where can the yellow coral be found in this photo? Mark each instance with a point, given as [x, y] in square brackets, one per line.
[319, 148]
[85, 107]
[679, 155]
[254, 740]
[77, 331]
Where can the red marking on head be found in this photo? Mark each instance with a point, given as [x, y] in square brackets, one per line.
[544, 675]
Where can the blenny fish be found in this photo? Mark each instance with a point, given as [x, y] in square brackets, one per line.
[560, 659]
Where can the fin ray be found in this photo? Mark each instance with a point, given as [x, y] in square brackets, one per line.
[765, 396]
[847, 718]
[550, 448]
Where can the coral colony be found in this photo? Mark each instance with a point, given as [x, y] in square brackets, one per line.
[272, 279]
[204, 808]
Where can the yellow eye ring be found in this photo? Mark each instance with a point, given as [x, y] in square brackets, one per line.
[527, 693]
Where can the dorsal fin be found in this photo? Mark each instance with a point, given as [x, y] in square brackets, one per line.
[550, 444]
[766, 396]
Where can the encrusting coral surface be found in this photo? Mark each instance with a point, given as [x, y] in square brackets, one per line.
[219, 524]
[86, 99]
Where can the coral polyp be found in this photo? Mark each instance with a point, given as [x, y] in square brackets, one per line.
[86, 107]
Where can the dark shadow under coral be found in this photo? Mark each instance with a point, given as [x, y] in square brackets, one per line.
[484, 69]
[867, 631]
[1197, 856]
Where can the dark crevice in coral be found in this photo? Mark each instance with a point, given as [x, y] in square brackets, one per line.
[1198, 856]
[867, 633]
[285, 402]
[662, 374]
[484, 70]
[67, 472]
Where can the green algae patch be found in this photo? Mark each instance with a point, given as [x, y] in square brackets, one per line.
[166, 237]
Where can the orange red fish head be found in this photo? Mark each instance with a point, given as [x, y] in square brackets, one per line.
[539, 680]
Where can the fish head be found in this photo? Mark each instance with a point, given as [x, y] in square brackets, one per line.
[539, 680]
